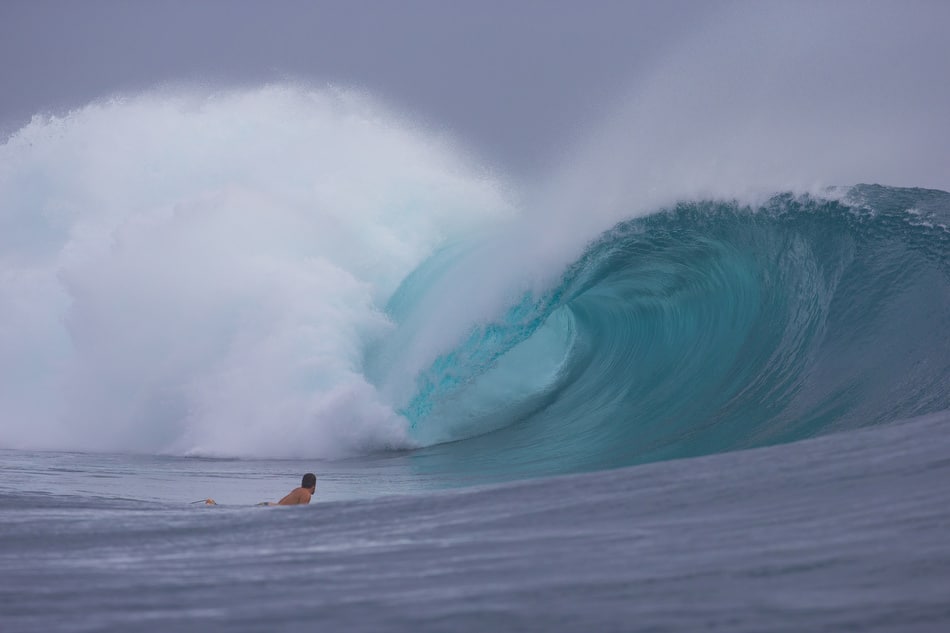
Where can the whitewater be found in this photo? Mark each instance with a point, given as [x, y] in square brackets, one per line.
[670, 401]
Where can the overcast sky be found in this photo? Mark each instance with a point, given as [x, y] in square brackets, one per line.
[514, 79]
[510, 77]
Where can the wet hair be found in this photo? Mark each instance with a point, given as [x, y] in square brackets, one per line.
[309, 481]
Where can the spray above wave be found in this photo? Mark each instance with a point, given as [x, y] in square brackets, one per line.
[200, 273]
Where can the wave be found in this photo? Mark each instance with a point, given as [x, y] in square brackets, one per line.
[295, 272]
[704, 328]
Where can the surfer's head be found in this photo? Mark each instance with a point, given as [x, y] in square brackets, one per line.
[309, 481]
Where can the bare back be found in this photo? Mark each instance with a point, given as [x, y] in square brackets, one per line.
[297, 496]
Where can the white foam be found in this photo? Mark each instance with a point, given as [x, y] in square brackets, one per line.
[200, 273]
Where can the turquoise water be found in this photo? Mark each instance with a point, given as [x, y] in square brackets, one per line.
[700, 329]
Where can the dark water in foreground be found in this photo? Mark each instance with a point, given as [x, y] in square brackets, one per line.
[842, 532]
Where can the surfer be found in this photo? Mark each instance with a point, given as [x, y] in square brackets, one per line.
[297, 496]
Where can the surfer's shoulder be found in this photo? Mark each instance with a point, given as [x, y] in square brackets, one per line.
[296, 496]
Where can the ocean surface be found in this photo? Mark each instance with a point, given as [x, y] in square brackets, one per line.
[847, 532]
[722, 413]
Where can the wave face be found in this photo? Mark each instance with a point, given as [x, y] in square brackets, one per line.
[704, 328]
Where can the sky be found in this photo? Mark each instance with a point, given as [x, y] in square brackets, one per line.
[502, 74]
[517, 82]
